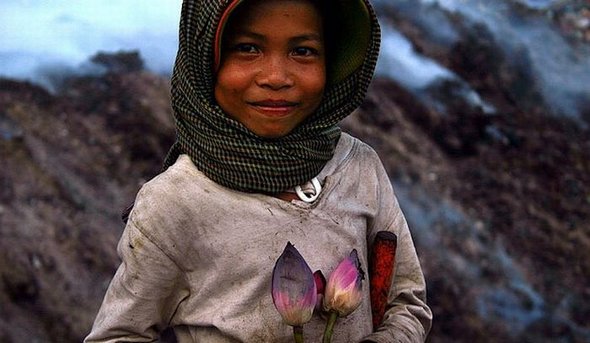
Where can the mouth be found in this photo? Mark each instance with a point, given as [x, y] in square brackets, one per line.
[274, 107]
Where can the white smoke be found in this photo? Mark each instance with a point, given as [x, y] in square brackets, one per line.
[38, 37]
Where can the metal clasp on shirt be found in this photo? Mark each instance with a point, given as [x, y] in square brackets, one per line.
[309, 196]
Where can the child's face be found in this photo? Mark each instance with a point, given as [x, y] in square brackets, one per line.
[272, 73]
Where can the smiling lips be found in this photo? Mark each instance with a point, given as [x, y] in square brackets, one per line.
[274, 107]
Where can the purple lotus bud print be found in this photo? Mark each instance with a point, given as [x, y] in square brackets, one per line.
[294, 290]
[344, 287]
[320, 284]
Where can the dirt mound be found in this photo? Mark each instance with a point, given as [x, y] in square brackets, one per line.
[499, 204]
[71, 163]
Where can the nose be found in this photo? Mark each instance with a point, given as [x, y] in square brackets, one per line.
[275, 73]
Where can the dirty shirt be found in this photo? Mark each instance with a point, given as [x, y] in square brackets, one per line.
[198, 257]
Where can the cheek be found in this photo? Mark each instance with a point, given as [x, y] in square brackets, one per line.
[219, 94]
[315, 84]
[230, 82]
[226, 94]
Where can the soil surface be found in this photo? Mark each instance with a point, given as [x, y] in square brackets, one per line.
[499, 204]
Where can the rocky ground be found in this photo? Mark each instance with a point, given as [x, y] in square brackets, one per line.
[499, 203]
[71, 163]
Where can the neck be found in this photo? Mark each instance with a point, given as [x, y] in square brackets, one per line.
[287, 196]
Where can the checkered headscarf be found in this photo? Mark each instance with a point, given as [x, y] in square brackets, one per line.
[225, 150]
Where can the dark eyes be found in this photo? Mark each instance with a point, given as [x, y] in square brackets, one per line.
[246, 48]
[305, 52]
[250, 49]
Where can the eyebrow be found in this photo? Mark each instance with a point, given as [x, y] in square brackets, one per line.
[300, 38]
[308, 37]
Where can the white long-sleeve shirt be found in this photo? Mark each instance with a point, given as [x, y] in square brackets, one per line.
[198, 257]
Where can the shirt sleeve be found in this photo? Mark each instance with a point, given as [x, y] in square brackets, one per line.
[143, 295]
[408, 318]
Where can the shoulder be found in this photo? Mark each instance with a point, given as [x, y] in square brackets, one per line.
[166, 206]
[355, 169]
[359, 155]
[362, 148]
[181, 172]
[174, 184]
[171, 196]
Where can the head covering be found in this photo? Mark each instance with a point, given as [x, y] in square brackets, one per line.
[224, 149]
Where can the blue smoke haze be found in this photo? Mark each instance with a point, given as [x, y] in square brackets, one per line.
[39, 40]
[40, 37]
[43, 38]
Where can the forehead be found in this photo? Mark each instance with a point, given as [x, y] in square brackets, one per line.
[252, 12]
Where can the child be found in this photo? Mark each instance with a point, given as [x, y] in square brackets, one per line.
[257, 91]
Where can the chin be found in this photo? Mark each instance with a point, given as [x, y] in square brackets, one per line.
[270, 135]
